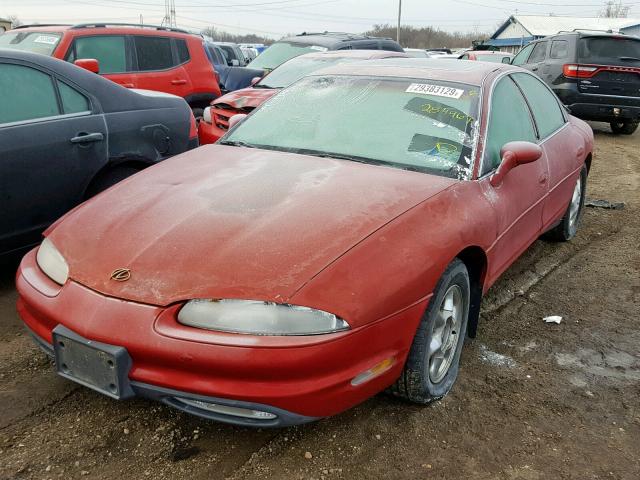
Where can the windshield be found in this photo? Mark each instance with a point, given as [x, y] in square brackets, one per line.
[422, 125]
[610, 51]
[296, 68]
[280, 52]
[36, 42]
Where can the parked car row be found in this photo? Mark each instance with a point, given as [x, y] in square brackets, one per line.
[334, 243]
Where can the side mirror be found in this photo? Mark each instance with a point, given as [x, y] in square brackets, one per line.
[236, 119]
[506, 60]
[90, 64]
[255, 80]
[235, 62]
[514, 154]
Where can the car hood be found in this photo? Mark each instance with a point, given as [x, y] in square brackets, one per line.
[231, 222]
[247, 98]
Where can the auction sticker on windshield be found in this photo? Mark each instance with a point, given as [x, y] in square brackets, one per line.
[48, 39]
[437, 90]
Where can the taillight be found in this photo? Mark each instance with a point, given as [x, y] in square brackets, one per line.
[573, 70]
[193, 127]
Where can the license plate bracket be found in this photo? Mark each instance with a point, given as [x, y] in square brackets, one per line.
[96, 365]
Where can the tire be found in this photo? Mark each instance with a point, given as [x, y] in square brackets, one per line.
[625, 128]
[568, 226]
[425, 378]
[109, 178]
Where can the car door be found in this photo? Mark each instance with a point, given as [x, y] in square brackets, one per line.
[51, 143]
[156, 65]
[518, 201]
[535, 62]
[560, 144]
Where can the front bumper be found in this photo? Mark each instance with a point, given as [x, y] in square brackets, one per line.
[298, 379]
[209, 133]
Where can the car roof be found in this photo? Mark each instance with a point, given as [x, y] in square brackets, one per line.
[469, 72]
[328, 39]
[111, 28]
[357, 54]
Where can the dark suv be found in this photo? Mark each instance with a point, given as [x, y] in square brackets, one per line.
[290, 47]
[596, 75]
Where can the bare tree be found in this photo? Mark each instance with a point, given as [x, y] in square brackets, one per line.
[221, 36]
[15, 21]
[614, 9]
[427, 37]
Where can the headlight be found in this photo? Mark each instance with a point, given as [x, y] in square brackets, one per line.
[51, 262]
[258, 318]
[206, 115]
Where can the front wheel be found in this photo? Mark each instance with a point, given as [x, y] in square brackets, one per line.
[625, 128]
[431, 368]
[568, 226]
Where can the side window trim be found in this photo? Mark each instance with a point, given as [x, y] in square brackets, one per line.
[559, 104]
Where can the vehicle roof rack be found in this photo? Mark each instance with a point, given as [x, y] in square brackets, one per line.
[42, 25]
[578, 30]
[138, 25]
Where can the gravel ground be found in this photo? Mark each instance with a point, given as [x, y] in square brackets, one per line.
[533, 401]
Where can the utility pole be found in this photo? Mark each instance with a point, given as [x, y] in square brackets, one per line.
[399, 17]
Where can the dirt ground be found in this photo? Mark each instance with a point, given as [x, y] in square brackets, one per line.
[533, 401]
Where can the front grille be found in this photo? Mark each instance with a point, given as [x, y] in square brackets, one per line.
[222, 112]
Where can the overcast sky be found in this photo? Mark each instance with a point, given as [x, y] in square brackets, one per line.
[275, 18]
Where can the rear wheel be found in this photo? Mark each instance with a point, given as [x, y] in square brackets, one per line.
[625, 128]
[431, 368]
[568, 226]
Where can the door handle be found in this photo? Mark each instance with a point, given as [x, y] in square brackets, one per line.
[178, 81]
[83, 137]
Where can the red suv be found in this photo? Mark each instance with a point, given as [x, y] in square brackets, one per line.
[147, 57]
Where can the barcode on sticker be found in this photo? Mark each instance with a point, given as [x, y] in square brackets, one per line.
[437, 90]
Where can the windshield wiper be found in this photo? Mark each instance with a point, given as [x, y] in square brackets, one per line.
[237, 143]
[630, 59]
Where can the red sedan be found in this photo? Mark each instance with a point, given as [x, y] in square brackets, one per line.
[215, 122]
[334, 244]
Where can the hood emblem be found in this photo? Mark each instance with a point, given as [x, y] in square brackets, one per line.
[121, 274]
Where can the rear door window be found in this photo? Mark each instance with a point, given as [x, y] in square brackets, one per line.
[559, 49]
[609, 51]
[109, 50]
[546, 109]
[32, 95]
[539, 53]
[183, 50]
[510, 121]
[72, 100]
[153, 53]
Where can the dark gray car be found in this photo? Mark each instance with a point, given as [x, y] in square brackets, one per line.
[66, 134]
